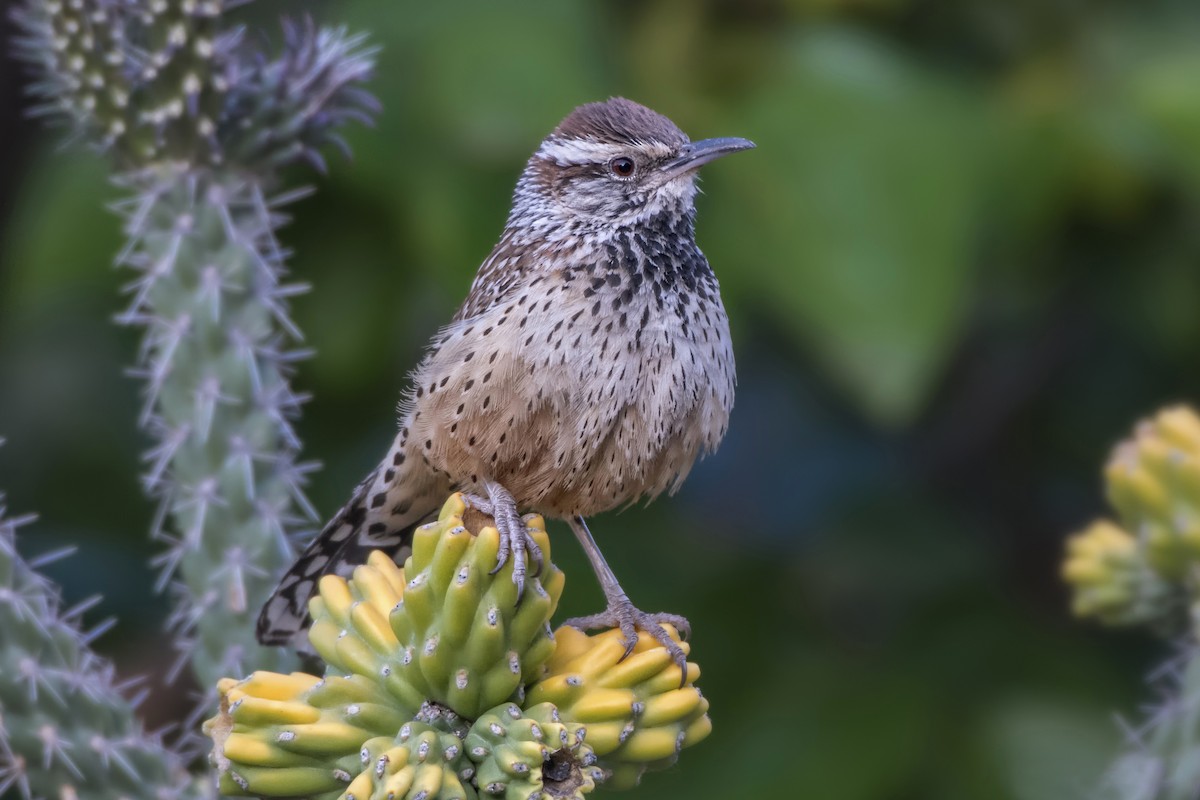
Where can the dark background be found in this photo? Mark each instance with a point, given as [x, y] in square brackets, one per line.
[961, 264]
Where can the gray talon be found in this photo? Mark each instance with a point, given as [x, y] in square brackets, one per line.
[515, 540]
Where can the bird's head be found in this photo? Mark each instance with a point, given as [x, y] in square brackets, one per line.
[616, 163]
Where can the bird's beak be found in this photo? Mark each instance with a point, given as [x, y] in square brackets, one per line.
[695, 154]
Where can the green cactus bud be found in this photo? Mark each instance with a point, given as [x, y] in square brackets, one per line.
[285, 735]
[350, 630]
[420, 763]
[637, 713]
[531, 753]
[464, 640]
[442, 629]
[1111, 579]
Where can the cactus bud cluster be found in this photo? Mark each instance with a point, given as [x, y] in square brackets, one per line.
[440, 685]
[1154, 484]
[639, 712]
[1144, 567]
[294, 735]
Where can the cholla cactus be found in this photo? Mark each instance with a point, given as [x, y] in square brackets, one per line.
[1145, 569]
[494, 703]
[66, 728]
[198, 125]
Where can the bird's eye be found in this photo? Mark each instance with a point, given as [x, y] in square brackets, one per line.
[622, 167]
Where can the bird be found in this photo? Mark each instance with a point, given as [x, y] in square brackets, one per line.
[588, 368]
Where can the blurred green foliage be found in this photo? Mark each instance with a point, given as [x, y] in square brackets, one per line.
[963, 260]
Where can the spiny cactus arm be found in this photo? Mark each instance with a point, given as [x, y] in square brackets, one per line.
[217, 365]
[199, 124]
[66, 727]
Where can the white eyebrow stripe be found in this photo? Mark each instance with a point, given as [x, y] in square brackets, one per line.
[578, 151]
[584, 151]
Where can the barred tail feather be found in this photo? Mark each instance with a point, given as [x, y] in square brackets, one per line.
[382, 514]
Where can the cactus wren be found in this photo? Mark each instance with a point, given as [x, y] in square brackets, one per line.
[589, 366]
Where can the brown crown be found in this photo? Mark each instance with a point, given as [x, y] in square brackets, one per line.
[619, 121]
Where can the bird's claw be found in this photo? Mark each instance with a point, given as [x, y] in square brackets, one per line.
[515, 540]
[629, 619]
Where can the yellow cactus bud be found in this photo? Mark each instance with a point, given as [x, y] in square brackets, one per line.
[418, 762]
[288, 735]
[1109, 576]
[1180, 426]
[1154, 483]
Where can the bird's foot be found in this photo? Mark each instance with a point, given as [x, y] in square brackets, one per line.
[514, 535]
[621, 613]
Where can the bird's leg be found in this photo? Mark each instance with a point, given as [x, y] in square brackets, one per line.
[621, 613]
[514, 536]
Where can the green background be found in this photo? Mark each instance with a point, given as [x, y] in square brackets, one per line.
[961, 263]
